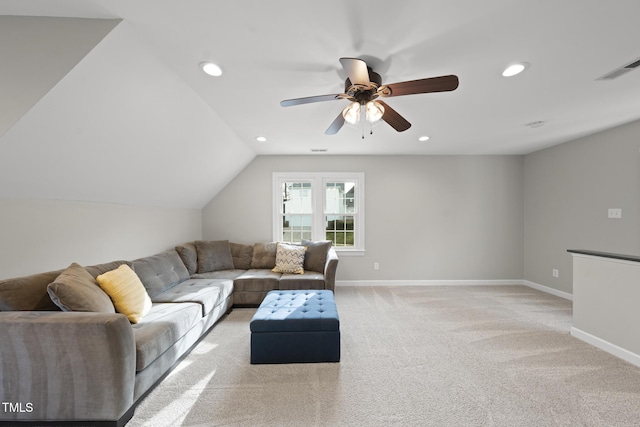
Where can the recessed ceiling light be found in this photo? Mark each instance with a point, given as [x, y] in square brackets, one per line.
[211, 69]
[515, 69]
[423, 138]
[261, 139]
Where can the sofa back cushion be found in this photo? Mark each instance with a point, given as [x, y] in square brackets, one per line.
[160, 272]
[75, 289]
[242, 255]
[189, 255]
[213, 255]
[264, 255]
[29, 293]
[96, 270]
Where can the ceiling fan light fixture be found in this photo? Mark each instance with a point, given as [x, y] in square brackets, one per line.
[351, 113]
[375, 111]
[211, 69]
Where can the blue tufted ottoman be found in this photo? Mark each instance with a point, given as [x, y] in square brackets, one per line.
[298, 326]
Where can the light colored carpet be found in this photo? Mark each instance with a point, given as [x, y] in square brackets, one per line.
[411, 356]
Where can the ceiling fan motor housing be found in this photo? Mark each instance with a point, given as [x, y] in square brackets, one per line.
[363, 94]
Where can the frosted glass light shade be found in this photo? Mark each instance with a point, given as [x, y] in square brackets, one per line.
[375, 111]
[351, 114]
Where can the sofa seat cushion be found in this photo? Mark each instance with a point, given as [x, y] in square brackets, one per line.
[307, 280]
[222, 274]
[206, 292]
[160, 329]
[256, 280]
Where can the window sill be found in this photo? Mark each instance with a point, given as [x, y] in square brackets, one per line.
[349, 252]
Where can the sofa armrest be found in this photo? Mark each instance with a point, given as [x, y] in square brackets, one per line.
[65, 366]
[330, 268]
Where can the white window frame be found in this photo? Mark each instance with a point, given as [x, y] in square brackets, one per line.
[318, 182]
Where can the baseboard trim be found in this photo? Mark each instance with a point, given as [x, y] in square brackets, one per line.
[548, 290]
[496, 282]
[610, 348]
[427, 282]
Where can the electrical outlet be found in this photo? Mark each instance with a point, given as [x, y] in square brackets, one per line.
[615, 213]
[555, 272]
[376, 266]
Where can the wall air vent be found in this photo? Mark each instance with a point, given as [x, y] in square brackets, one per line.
[620, 71]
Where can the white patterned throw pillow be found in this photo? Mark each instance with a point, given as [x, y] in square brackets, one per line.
[289, 258]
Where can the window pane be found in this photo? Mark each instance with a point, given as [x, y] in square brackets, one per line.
[340, 229]
[296, 227]
[340, 197]
[296, 197]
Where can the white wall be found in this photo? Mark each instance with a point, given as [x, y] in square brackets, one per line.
[43, 235]
[568, 191]
[427, 217]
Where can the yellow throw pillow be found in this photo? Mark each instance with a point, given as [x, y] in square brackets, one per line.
[289, 259]
[126, 291]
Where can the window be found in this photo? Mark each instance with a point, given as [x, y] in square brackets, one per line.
[320, 206]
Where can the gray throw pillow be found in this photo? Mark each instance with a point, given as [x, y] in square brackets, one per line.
[76, 290]
[315, 257]
[264, 255]
[214, 256]
[189, 256]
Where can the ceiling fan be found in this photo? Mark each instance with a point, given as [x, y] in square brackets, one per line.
[364, 86]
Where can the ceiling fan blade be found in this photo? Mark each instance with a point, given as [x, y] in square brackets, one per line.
[311, 99]
[336, 125]
[428, 85]
[394, 119]
[356, 70]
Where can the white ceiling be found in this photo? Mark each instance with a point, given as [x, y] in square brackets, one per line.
[118, 110]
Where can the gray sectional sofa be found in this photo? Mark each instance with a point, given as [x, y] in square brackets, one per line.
[63, 366]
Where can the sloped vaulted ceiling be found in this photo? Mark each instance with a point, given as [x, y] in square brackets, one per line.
[39, 51]
[104, 120]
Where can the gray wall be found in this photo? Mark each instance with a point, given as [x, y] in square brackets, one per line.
[427, 217]
[568, 191]
[43, 235]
